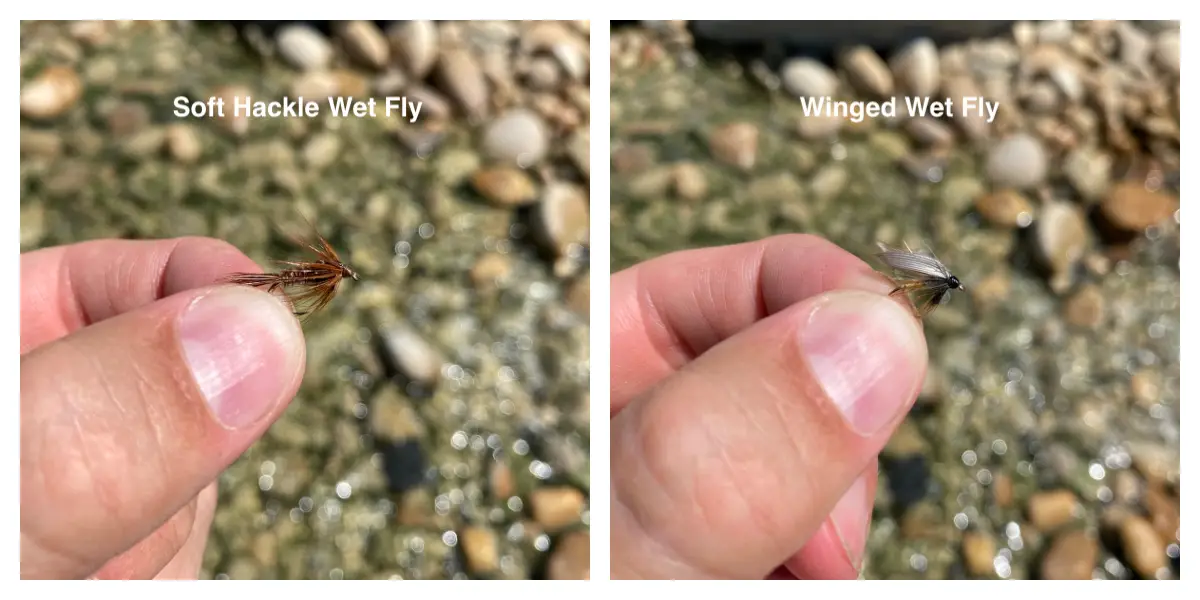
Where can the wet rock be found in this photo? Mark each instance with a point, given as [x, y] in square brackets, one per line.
[1052, 509]
[735, 144]
[1054, 32]
[1163, 514]
[434, 106]
[414, 45]
[480, 549]
[1088, 171]
[689, 181]
[365, 43]
[54, 91]
[505, 186]
[1072, 555]
[303, 47]
[393, 418]
[1143, 548]
[44, 144]
[1005, 208]
[930, 132]
[818, 126]
[579, 148]
[571, 558]
[490, 270]
[411, 354]
[556, 507]
[1146, 387]
[992, 289]
[562, 217]
[236, 124]
[974, 126]
[501, 482]
[1085, 308]
[916, 68]
[1166, 51]
[317, 85]
[460, 76]
[1018, 161]
[1131, 207]
[1002, 490]
[578, 296]
[1062, 238]
[322, 150]
[518, 136]
[808, 78]
[979, 549]
[183, 143]
[867, 72]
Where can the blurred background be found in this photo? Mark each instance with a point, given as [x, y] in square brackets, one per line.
[1045, 443]
[442, 427]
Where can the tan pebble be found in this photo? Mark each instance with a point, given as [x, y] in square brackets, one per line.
[303, 47]
[46, 144]
[459, 75]
[556, 507]
[480, 550]
[1085, 308]
[1002, 490]
[51, 93]
[489, 270]
[652, 184]
[183, 143]
[315, 85]
[1072, 555]
[414, 46]
[1052, 509]
[735, 144]
[690, 183]
[1145, 385]
[632, 158]
[505, 186]
[501, 481]
[979, 549]
[350, 83]
[1131, 207]
[579, 296]
[562, 217]
[415, 508]
[867, 72]
[571, 558]
[1164, 514]
[1005, 208]
[322, 150]
[1143, 547]
[992, 289]
[365, 43]
[237, 124]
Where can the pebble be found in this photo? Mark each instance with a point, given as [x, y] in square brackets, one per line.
[480, 549]
[459, 75]
[501, 481]
[562, 217]
[556, 507]
[1131, 207]
[434, 106]
[490, 270]
[1143, 548]
[1062, 237]
[1135, 46]
[929, 132]
[689, 181]
[572, 557]
[183, 143]
[916, 68]
[1146, 387]
[1018, 161]
[808, 78]
[818, 126]
[518, 136]
[1054, 32]
[365, 43]
[239, 124]
[579, 148]
[578, 296]
[322, 150]
[51, 93]
[1005, 208]
[1072, 556]
[1049, 510]
[1164, 514]
[505, 186]
[1002, 490]
[414, 44]
[1166, 51]
[959, 193]
[411, 354]
[979, 549]
[867, 72]
[315, 84]
[303, 47]
[1087, 169]
[975, 126]
[46, 144]
[128, 118]
[629, 159]
[735, 144]
[1085, 308]
[392, 417]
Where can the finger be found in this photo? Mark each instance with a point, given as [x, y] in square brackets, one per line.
[837, 549]
[188, 561]
[125, 421]
[150, 555]
[65, 288]
[731, 464]
[669, 310]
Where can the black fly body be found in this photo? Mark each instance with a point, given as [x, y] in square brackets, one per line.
[920, 274]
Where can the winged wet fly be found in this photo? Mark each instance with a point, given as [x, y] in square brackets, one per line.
[920, 276]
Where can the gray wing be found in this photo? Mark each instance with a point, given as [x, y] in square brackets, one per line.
[912, 262]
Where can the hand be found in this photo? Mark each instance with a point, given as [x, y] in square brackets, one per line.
[753, 387]
[139, 385]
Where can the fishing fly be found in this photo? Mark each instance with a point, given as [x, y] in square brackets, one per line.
[920, 276]
[308, 286]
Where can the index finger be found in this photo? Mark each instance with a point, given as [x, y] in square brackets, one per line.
[65, 288]
[669, 310]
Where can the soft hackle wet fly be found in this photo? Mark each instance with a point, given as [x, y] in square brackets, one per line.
[308, 285]
[920, 276]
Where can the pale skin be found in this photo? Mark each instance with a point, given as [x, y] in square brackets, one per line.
[120, 443]
[729, 457]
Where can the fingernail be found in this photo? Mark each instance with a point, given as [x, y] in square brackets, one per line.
[868, 355]
[851, 518]
[243, 347]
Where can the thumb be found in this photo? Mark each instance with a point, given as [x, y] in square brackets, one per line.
[730, 466]
[125, 421]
